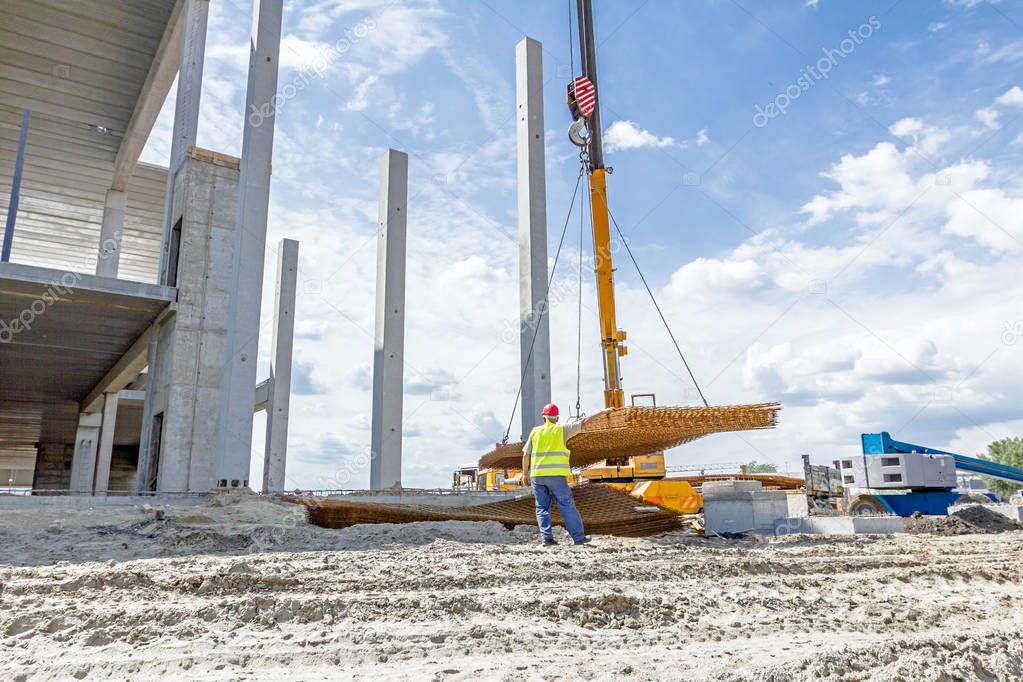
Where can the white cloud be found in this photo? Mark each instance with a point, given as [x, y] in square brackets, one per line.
[881, 80]
[702, 138]
[988, 216]
[906, 126]
[360, 99]
[973, 440]
[927, 140]
[989, 117]
[1011, 97]
[1007, 53]
[627, 135]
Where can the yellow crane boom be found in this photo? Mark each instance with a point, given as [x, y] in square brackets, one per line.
[611, 338]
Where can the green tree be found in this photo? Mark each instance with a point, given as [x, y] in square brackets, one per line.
[1008, 451]
[756, 468]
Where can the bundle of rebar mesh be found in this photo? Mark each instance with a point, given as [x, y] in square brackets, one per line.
[632, 431]
[605, 511]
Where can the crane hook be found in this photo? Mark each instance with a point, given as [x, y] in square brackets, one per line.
[579, 132]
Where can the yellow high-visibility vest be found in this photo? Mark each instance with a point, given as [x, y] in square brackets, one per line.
[549, 454]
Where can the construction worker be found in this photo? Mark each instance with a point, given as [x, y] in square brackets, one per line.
[545, 464]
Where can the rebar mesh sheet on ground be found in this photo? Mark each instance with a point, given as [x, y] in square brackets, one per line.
[631, 431]
[605, 511]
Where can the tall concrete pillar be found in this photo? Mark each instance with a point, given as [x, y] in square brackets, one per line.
[235, 442]
[186, 108]
[279, 402]
[83, 462]
[105, 453]
[109, 256]
[389, 339]
[534, 321]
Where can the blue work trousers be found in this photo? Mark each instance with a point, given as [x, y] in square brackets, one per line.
[547, 487]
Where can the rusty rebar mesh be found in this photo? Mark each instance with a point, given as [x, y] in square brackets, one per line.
[631, 431]
[605, 511]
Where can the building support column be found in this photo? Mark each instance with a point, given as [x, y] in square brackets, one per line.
[246, 291]
[148, 458]
[83, 462]
[279, 401]
[186, 108]
[105, 454]
[389, 339]
[534, 320]
[109, 257]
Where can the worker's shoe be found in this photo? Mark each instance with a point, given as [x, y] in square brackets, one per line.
[585, 539]
[547, 542]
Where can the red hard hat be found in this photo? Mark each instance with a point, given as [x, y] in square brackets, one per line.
[550, 410]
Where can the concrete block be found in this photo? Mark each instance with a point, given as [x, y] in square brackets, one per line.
[841, 525]
[727, 489]
[797, 505]
[741, 506]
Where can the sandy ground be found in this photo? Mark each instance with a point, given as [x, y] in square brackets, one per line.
[248, 591]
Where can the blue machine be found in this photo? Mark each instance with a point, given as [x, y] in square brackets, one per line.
[903, 478]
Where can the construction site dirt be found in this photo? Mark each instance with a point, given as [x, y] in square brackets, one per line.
[249, 590]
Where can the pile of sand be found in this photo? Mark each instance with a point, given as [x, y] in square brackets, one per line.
[965, 521]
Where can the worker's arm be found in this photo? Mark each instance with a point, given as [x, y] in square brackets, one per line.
[573, 429]
[527, 452]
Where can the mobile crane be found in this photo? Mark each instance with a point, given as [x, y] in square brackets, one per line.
[644, 476]
[902, 478]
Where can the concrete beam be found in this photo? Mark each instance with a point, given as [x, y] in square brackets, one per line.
[246, 290]
[129, 397]
[49, 276]
[389, 339]
[263, 389]
[534, 320]
[150, 101]
[105, 454]
[278, 407]
[109, 256]
[127, 368]
[186, 109]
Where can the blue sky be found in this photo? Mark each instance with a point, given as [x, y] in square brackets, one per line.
[855, 257]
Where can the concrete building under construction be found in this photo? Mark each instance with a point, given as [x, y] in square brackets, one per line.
[130, 293]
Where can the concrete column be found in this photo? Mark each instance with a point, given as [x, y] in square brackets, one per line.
[389, 348]
[105, 453]
[246, 292]
[534, 318]
[193, 56]
[186, 108]
[279, 402]
[184, 385]
[146, 444]
[83, 462]
[109, 256]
